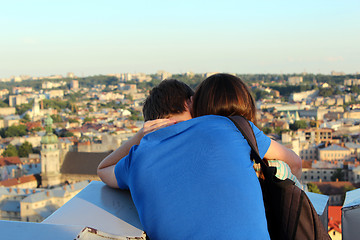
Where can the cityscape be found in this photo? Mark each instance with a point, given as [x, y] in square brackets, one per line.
[55, 130]
[74, 76]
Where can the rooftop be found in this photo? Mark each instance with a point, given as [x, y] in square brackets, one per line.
[334, 147]
[102, 213]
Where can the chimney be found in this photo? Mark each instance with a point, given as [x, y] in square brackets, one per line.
[342, 144]
[10, 190]
[326, 144]
[33, 191]
[47, 193]
[72, 186]
[27, 191]
[17, 190]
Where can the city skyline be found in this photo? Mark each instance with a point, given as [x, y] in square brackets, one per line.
[41, 38]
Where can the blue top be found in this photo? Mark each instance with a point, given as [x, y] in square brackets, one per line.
[195, 180]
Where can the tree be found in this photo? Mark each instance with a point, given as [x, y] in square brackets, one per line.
[25, 149]
[349, 188]
[10, 151]
[346, 189]
[36, 129]
[338, 175]
[135, 115]
[56, 118]
[68, 134]
[21, 109]
[13, 131]
[26, 118]
[88, 119]
[3, 104]
[266, 130]
[301, 124]
[71, 120]
[313, 123]
[326, 92]
[313, 188]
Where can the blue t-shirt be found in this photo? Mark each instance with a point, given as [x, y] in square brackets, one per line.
[195, 180]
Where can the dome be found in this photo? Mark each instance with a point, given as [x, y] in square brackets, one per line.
[49, 139]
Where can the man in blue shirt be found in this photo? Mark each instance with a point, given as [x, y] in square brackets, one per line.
[191, 180]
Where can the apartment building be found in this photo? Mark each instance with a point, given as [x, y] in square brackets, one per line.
[316, 135]
[15, 100]
[308, 151]
[317, 175]
[295, 80]
[334, 153]
[54, 94]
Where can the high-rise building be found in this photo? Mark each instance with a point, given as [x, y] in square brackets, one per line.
[295, 80]
[74, 85]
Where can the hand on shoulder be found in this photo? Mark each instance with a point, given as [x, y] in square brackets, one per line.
[153, 125]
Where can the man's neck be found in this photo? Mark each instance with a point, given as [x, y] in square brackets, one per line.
[181, 116]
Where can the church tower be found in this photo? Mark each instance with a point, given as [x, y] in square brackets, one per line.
[50, 156]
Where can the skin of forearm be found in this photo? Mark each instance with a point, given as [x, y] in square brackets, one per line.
[294, 163]
[280, 152]
[122, 151]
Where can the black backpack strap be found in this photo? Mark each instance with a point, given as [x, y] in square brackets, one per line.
[246, 130]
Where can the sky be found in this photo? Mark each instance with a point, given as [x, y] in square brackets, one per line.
[42, 37]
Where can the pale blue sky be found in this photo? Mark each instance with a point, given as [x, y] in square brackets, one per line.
[46, 37]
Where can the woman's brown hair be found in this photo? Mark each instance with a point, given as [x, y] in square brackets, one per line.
[225, 95]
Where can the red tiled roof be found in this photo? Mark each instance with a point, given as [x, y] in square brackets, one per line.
[16, 181]
[84, 143]
[31, 125]
[306, 164]
[334, 213]
[334, 226]
[9, 161]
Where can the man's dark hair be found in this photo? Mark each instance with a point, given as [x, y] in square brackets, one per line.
[169, 97]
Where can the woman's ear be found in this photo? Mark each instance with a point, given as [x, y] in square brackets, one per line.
[189, 104]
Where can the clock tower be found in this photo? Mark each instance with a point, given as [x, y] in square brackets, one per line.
[50, 156]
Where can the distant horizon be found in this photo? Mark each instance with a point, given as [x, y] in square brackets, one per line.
[42, 38]
[173, 73]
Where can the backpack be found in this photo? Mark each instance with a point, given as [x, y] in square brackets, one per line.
[289, 212]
